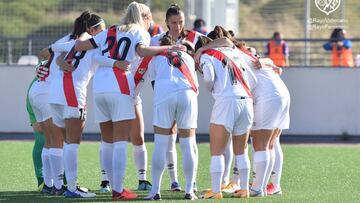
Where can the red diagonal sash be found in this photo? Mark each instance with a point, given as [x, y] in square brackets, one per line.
[238, 74]
[119, 74]
[141, 70]
[68, 83]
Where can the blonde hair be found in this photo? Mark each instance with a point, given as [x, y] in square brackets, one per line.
[133, 18]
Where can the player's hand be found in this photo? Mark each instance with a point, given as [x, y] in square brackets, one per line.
[42, 72]
[65, 66]
[257, 64]
[122, 65]
[197, 56]
[178, 48]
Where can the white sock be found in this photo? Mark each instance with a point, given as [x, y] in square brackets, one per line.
[46, 167]
[243, 164]
[252, 159]
[71, 165]
[228, 157]
[57, 166]
[261, 161]
[270, 167]
[188, 154]
[217, 166]
[107, 159]
[236, 175]
[158, 162]
[103, 172]
[279, 158]
[196, 161]
[171, 158]
[140, 159]
[119, 165]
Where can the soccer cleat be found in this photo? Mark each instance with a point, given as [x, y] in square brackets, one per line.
[46, 189]
[105, 186]
[124, 195]
[41, 186]
[175, 186]
[58, 192]
[78, 194]
[195, 187]
[257, 193]
[190, 196]
[271, 189]
[144, 185]
[209, 189]
[153, 197]
[211, 195]
[230, 188]
[241, 194]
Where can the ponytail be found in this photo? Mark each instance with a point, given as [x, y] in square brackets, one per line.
[134, 15]
[81, 24]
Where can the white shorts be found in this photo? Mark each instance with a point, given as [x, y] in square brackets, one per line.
[235, 114]
[271, 114]
[61, 112]
[41, 108]
[180, 106]
[113, 106]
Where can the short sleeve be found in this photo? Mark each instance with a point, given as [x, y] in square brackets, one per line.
[143, 38]
[99, 39]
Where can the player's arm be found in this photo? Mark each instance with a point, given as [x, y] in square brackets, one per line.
[105, 61]
[207, 68]
[44, 54]
[143, 50]
[221, 42]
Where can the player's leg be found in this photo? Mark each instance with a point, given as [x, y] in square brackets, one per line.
[274, 187]
[218, 139]
[261, 140]
[74, 124]
[106, 154]
[36, 153]
[171, 159]
[139, 148]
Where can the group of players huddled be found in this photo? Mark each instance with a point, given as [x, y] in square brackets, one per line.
[250, 98]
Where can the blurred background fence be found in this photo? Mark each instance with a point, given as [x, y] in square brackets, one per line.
[26, 26]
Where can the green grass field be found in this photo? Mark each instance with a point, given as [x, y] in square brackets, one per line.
[312, 173]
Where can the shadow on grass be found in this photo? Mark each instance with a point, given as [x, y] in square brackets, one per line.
[33, 196]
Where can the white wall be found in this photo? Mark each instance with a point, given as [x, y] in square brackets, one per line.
[325, 101]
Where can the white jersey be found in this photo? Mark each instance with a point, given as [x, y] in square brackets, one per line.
[192, 36]
[170, 79]
[269, 84]
[43, 86]
[221, 80]
[70, 89]
[105, 79]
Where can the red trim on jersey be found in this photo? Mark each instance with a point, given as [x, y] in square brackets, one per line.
[68, 83]
[185, 71]
[119, 74]
[141, 70]
[238, 74]
[191, 36]
[248, 53]
[122, 80]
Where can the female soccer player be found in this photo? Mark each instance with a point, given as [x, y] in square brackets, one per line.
[39, 141]
[114, 88]
[52, 155]
[225, 75]
[175, 22]
[175, 98]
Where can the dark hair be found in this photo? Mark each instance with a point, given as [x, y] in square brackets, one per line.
[220, 32]
[337, 35]
[203, 40]
[275, 34]
[94, 20]
[166, 40]
[173, 10]
[231, 33]
[81, 24]
[198, 23]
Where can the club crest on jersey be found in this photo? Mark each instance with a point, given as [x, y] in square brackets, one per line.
[142, 71]
[327, 6]
[174, 58]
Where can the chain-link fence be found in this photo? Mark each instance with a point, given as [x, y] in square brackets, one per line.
[26, 26]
